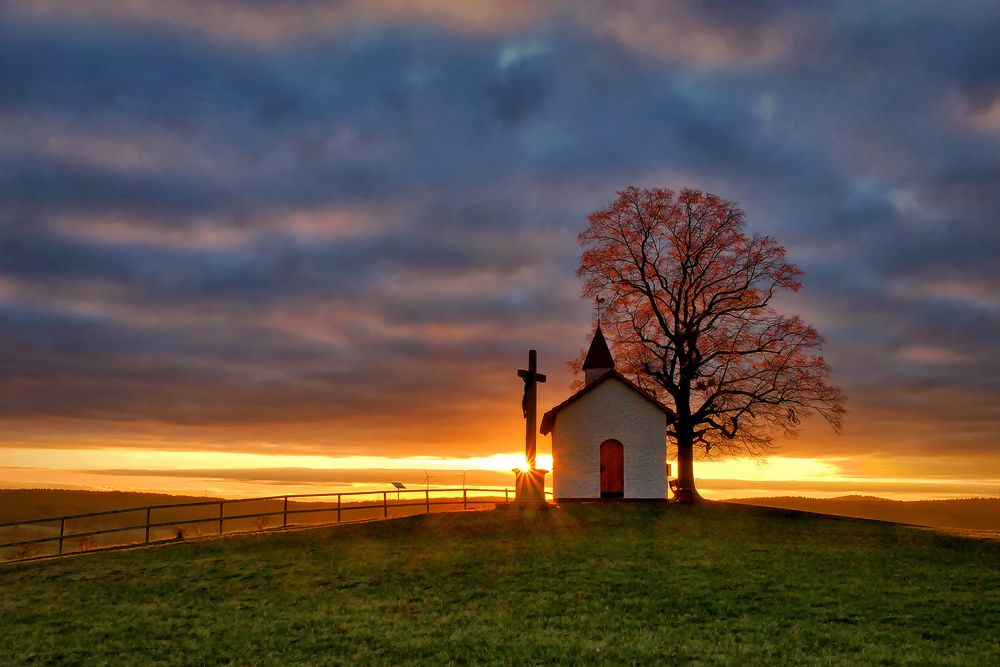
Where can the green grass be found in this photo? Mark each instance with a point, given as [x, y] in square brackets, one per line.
[613, 584]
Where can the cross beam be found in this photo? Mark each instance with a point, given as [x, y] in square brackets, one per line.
[531, 378]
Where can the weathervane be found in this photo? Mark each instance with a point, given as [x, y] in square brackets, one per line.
[598, 302]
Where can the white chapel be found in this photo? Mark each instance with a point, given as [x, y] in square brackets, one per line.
[609, 438]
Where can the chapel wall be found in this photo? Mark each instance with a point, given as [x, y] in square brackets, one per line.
[612, 410]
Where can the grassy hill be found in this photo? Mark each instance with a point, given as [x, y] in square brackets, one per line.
[612, 584]
[967, 513]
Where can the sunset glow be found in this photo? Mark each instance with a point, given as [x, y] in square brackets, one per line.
[251, 246]
[235, 474]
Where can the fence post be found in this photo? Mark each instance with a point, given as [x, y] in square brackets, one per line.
[338, 508]
[385, 504]
[220, 519]
[427, 497]
[465, 499]
[62, 531]
[506, 495]
[148, 511]
[284, 516]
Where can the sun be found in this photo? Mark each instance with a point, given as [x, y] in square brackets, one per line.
[510, 461]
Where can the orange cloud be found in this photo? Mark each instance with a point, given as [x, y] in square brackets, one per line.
[983, 118]
[149, 151]
[670, 29]
[270, 22]
[124, 228]
[674, 30]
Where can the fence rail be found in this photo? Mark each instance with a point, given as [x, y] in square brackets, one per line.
[386, 502]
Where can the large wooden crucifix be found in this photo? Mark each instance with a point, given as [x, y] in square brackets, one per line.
[529, 401]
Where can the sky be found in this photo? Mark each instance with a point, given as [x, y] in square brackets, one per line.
[250, 244]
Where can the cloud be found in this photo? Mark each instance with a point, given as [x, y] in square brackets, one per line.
[709, 33]
[727, 487]
[340, 225]
[269, 23]
[412, 478]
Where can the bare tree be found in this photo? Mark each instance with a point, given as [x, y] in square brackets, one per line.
[687, 299]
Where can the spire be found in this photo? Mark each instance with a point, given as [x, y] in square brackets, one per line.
[599, 360]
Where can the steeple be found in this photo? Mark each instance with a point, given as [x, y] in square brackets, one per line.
[599, 360]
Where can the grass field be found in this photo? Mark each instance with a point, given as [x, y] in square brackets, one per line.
[584, 584]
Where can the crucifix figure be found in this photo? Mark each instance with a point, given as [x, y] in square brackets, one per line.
[531, 377]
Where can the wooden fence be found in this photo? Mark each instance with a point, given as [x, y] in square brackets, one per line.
[376, 509]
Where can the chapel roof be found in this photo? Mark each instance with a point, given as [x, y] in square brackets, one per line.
[549, 419]
[598, 356]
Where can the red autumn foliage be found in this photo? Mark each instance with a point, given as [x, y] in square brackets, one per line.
[687, 311]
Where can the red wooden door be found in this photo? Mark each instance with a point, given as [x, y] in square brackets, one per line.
[612, 469]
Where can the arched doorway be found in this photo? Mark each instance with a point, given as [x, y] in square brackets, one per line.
[612, 469]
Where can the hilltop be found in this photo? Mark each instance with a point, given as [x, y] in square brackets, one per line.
[588, 584]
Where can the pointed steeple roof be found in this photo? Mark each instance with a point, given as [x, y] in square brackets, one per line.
[599, 356]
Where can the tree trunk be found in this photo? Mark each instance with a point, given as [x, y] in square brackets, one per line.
[685, 491]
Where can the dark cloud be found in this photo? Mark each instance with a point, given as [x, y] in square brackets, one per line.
[354, 228]
[39, 184]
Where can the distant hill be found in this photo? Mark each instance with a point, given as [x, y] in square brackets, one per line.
[23, 504]
[199, 521]
[964, 513]
[20, 504]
